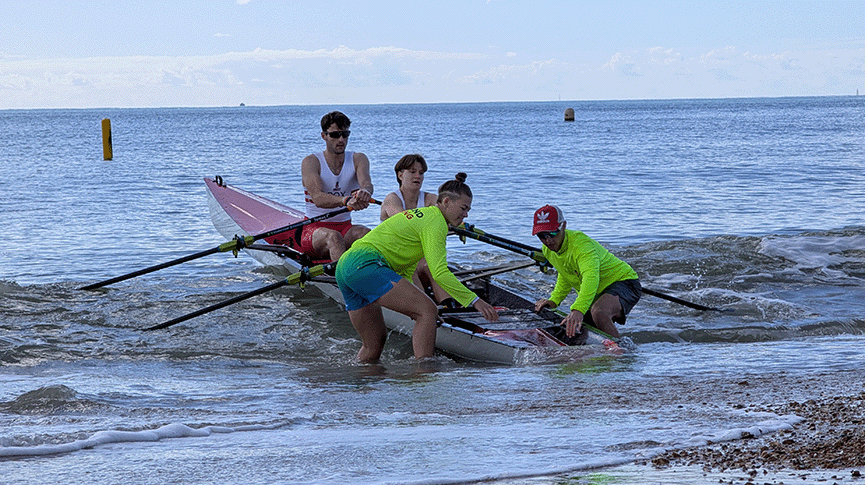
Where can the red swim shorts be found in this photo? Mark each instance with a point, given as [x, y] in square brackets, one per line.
[306, 237]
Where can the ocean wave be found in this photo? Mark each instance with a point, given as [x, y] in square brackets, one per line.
[48, 400]
[770, 287]
[836, 256]
[832, 257]
[748, 333]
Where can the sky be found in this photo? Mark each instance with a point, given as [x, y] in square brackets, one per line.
[149, 53]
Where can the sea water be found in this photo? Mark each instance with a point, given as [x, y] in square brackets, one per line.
[751, 205]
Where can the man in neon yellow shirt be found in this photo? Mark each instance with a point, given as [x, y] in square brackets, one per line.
[376, 272]
[607, 287]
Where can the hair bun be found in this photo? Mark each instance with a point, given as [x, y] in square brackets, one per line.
[455, 187]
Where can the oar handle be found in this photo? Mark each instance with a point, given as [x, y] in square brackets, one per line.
[240, 243]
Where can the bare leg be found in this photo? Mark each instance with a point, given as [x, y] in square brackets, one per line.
[369, 323]
[353, 234]
[604, 310]
[408, 299]
[328, 243]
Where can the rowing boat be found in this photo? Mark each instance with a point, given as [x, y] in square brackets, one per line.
[519, 334]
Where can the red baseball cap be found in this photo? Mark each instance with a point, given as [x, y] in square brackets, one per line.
[547, 219]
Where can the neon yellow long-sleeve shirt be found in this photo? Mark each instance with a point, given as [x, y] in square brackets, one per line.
[583, 264]
[404, 238]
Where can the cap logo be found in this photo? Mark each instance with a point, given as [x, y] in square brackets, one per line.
[543, 218]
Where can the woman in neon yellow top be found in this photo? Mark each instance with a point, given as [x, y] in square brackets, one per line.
[376, 272]
[607, 287]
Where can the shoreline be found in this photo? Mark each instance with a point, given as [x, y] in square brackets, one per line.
[831, 436]
[826, 446]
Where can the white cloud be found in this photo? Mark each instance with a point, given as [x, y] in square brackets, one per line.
[623, 64]
[393, 74]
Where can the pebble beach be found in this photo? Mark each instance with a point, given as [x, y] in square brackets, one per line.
[826, 446]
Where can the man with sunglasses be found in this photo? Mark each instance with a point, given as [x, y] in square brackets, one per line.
[607, 287]
[333, 178]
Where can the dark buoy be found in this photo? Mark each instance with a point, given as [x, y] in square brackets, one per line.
[569, 114]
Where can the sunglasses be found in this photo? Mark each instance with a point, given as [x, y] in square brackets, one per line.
[337, 134]
[548, 234]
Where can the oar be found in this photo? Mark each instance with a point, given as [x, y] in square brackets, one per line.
[491, 271]
[471, 227]
[533, 253]
[682, 302]
[235, 245]
[292, 279]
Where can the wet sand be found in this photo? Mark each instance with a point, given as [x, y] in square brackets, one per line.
[827, 446]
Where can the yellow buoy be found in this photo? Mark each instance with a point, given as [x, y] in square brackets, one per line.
[107, 151]
[569, 114]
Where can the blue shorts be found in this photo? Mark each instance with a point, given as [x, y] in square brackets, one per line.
[363, 277]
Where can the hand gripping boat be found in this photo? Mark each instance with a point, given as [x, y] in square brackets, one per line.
[519, 334]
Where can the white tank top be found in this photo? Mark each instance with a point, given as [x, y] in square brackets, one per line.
[340, 185]
[421, 198]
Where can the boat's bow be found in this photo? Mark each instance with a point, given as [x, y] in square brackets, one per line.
[235, 211]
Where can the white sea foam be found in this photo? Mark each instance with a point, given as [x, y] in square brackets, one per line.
[822, 253]
[175, 430]
[470, 452]
[777, 423]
